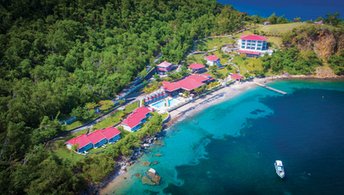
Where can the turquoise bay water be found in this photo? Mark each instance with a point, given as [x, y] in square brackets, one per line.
[230, 148]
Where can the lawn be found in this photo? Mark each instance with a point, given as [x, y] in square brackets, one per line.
[110, 121]
[280, 29]
[223, 57]
[73, 125]
[275, 42]
[248, 64]
[212, 43]
[131, 107]
[198, 58]
[61, 151]
[273, 32]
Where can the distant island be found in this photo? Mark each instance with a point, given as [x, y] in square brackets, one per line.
[87, 87]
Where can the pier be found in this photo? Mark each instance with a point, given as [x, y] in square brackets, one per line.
[270, 88]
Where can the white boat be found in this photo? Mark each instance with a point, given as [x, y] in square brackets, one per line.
[279, 168]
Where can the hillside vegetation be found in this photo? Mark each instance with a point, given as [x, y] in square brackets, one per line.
[323, 40]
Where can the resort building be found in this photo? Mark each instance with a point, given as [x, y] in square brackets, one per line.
[236, 77]
[112, 134]
[164, 67]
[96, 139]
[213, 60]
[253, 45]
[135, 120]
[197, 68]
[81, 142]
[155, 96]
[189, 83]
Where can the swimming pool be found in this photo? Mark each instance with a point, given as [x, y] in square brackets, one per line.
[162, 103]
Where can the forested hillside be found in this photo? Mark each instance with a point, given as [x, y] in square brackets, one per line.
[58, 55]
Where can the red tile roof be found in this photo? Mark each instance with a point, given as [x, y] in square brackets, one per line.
[249, 52]
[253, 37]
[212, 58]
[96, 136]
[188, 83]
[236, 76]
[81, 140]
[196, 66]
[110, 132]
[136, 117]
[164, 64]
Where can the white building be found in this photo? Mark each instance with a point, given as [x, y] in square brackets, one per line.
[213, 60]
[253, 45]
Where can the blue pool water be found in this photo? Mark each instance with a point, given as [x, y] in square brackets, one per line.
[161, 104]
[230, 148]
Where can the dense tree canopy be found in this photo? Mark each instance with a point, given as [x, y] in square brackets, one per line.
[58, 55]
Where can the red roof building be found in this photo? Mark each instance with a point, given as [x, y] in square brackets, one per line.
[164, 67]
[136, 118]
[253, 45]
[212, 58]
[82, 142]
[110, 132]
[97, 138]
[196, 67]
[237, 77]
[189, 83]
[253, 37]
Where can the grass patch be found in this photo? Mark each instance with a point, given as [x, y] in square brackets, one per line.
[215, 43]
[153, 86]
[224, 71]
[275, 42]
[164, 115]
[280, 29]
[131, 107]
[73, 125]
[110, 121]
[223, 57]
[248, 65]
[198, 58]
[61, 151]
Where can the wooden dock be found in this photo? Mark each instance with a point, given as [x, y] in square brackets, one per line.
[270, 88]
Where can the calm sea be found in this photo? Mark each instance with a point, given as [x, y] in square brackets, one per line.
[306, 9]
[230, 148]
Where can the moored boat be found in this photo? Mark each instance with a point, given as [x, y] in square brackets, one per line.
[279, 168]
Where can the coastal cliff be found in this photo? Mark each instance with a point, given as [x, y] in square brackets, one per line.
[323, 40]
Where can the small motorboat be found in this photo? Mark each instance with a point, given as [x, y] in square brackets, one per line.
[279, 168]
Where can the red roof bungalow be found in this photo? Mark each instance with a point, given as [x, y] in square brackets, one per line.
[189, 83]
[164, 67]
[197, 68]
[112, 134]
[213, 60]
[97, 138]
[81, 142]
[237, 77]
[135, 120]
[94, 140]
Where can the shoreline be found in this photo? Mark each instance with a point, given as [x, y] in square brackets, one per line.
[196, 106]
